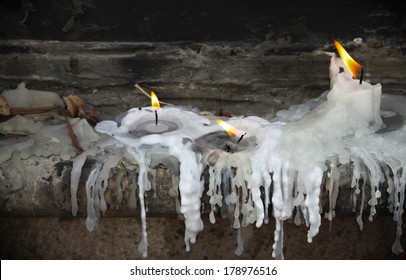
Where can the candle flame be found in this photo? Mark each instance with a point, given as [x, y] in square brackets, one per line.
[354, 67]
[154, 101]
[231, 131]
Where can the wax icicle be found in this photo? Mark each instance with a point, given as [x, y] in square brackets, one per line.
[332, 187]
[78, 163]
[91, 220]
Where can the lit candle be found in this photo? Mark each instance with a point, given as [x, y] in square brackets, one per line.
[351, 110]
[238, 169]
[149, 143]
[374, 155]
[146, 125]
[361, 100]
[321, 135]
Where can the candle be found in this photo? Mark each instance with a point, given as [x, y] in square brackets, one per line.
[307, 143]
[323, 134]
[149, 142]
[362, 100]
[238, 170]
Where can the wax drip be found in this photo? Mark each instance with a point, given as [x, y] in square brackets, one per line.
[142, 185]
[278, 238]
[332, 187]
[77, 165]
[91, 220]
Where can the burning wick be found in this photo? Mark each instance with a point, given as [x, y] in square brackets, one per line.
[155, 105]
[242, 136]
[231, 131]
[362, 76]
[352, 66]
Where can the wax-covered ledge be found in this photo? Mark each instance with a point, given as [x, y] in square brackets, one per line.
[244, 166]
[40, 187]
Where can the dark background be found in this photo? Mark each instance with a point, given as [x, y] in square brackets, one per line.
[201, 21]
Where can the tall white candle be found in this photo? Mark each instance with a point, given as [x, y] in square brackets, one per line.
[320, 136]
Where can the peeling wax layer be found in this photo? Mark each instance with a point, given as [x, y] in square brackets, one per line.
[21, 97]
[50, 140]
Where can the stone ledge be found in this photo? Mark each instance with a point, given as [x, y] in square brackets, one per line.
[40, 187]
[117, 238]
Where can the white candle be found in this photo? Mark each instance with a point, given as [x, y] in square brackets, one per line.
[360, 102]
[321, 135]
[147, 141]
[239, 171]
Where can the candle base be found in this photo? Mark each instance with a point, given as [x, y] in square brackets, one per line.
[220, 140]
[150, 127]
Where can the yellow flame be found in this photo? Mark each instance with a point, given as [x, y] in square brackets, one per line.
[354, 67]
[154, 101]
[231, 131]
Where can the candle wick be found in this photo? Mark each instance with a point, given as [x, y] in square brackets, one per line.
[156, 117]
[242, 136]
[362, 76]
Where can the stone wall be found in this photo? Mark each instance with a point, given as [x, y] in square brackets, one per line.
[237, 78]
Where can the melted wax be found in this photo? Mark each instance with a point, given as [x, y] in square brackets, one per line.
[283, 163]
[145, 144]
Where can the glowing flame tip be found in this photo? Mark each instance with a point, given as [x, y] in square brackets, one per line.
[354, 67]
[154, 101]
[231, 131]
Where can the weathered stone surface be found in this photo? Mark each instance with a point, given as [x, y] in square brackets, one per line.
[241, 78]
[41, 187]
[117, 238]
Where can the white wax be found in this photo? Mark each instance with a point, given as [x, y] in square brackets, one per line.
[48, 139]
[157, 128]
[21, 97]
[294, 153]
[173, 136]
[340, 130]
[239, 176]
